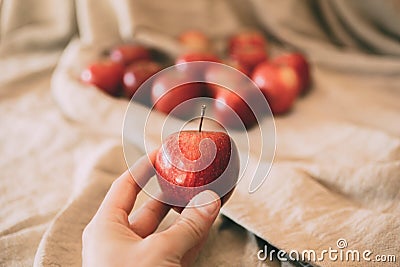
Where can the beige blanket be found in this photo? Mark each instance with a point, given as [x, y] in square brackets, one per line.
[337, 164]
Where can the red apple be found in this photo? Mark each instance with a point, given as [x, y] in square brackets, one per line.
[197, 56]
[279, 84]
[233, 93]
[227, 102]
[221, 76]
[194, 40]
[299, 63]
[166, 95]
[237, 65]
[196, 71]
[249, 56]
[106, 75]
[128, 53]
[135, 75]
[247, 38]
[193, 161]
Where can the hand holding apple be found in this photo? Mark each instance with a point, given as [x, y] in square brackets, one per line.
[113, 231]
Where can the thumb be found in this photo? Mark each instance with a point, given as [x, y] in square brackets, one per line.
[194, 223]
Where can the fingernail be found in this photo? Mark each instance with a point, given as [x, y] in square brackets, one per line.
[207, 202]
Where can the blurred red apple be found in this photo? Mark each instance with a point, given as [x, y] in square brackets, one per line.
[228, 101]
[194, 40]
[247, 38]
[249, 56]
[135, 75]
[166, 95]
[128, 53]
[237, 65]
[193, 161]
[197, 56]
[196, 71]
[233, 93]
[299, 63]
[279, 84]
[105, 75]
[221, 76]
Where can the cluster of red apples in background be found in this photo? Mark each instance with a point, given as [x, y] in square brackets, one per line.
[122, 73]
[281, 79]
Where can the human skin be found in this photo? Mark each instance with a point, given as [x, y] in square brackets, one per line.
[112, 239]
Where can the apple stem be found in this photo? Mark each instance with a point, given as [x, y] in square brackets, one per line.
[203, 111]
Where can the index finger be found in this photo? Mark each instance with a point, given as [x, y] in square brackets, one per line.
[121, 197]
